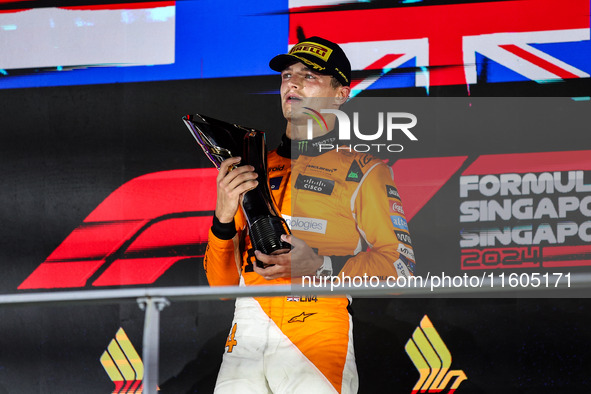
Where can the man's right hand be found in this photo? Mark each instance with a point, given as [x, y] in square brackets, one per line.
[231, 185]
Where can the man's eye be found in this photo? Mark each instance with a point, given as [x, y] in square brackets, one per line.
[286, 75]
[310, 76]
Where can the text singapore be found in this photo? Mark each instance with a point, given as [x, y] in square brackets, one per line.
[546, 199]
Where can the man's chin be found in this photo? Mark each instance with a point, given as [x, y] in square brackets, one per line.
[296, 116]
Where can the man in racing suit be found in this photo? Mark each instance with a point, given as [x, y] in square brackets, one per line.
[346, 217]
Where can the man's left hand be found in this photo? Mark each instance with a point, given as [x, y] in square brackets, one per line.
[300, 261]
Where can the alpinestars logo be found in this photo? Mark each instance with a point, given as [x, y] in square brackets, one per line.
[432, 359]
[300, 318]
[123, 365]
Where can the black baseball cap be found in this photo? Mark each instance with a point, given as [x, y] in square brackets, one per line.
[323, 56]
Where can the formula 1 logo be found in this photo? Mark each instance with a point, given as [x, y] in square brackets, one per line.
[136, 234]
[432, 359]
[157, 220]
[123, 365]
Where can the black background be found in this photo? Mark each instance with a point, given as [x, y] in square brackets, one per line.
[65, 149]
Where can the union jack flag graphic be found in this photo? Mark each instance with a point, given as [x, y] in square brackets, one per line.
[452, 44]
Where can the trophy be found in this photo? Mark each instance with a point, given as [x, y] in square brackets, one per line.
[220, 141]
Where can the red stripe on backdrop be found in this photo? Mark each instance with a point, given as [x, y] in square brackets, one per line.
[120, 6]
[96, 241]
[383, 62]
[567, 263]
[14, 11]
[142, 271]
[567, 250]
[377, 65]
[118, 386]
[133, 388]
[171, 233]
[530, 162]
[159, 193]
[80, 255]
[546, 65]
[61, 275]
[418, 180]
[123, 6]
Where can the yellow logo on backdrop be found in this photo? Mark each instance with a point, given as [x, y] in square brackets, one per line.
[123, 365]
[432, 359]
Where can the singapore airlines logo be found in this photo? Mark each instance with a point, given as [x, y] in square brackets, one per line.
[123, 364]
[432, 359]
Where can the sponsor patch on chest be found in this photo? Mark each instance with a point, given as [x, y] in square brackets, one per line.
[403, 236]
[399, 222]
[392, 192]
[312, 225]
[275, 182]
[395, 207]
[314, 184]
[354, 174]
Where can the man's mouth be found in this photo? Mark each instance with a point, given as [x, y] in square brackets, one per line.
[290, 98]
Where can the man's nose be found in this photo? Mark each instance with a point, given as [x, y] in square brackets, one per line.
[295, 81]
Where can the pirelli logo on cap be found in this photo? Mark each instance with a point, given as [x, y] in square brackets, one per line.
[321, 51]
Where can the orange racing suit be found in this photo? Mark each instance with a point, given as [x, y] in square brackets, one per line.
[346, 206]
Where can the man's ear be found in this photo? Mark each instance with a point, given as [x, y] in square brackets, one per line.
[343, 94]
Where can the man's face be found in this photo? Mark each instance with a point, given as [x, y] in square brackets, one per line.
[299, 82]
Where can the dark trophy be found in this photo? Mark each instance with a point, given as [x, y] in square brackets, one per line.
[220, 141]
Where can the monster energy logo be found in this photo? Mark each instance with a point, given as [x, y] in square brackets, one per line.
[302, 146]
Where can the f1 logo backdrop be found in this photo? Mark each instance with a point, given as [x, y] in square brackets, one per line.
[156, 220]
[136, 234]
[481, 209]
